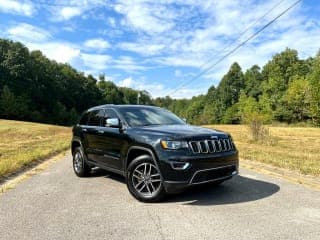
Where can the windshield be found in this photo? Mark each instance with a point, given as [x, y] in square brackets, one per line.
[147, 116]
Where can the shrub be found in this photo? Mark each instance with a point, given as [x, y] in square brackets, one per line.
[254, 117]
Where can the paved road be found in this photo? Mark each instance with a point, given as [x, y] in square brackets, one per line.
[55, 204]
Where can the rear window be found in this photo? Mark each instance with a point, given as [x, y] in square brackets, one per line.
[96, 118]
[84, 119]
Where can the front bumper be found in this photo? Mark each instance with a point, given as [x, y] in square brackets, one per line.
[201, 169]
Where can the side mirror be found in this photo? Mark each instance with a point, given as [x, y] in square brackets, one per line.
[184, 119]
[113, 122]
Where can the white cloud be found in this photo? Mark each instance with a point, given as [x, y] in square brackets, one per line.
[140, 84]
[36, 38]
[187, 92]
[95, 61]
[67, 13]
[159, 89]
[127, 64]
[142, 48]
[25, 8]
[145, 16]
[60, 51]
[27, 32]
[127, 82]
[97, 43]
[73, 8]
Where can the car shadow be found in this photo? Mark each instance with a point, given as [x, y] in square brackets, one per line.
[237, 190]
[98, 172]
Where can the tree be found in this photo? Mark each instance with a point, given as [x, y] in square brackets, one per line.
[8, 103]
[194, 110]
[253, 80]
[297, 99]
[277, 74]
[110, 92]
[314, 78]
[232, 83]
[12, 107]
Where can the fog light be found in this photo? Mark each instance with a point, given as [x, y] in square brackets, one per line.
[180, 165]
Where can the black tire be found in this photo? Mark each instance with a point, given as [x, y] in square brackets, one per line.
[149, 182]
[80, 166]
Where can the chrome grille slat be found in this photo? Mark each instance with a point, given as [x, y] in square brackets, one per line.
[211, 145]
[220, 146]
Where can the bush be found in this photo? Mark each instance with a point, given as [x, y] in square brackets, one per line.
[253, 116]
[258, 131]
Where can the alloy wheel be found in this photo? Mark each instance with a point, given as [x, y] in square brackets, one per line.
[146, 179]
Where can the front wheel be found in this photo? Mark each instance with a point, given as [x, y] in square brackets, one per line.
[144, 180]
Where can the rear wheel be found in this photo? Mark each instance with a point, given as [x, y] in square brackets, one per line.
[144, 180]
[80, 165]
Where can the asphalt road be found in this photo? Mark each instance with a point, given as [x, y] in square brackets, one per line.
[56, 204]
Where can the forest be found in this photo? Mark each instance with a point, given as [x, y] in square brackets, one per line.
[35, 88]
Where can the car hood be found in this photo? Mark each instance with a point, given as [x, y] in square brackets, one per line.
[181, 131]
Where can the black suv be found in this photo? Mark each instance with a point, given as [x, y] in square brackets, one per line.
[155, 150]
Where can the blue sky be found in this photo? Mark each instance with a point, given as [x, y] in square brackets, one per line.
[159, 45]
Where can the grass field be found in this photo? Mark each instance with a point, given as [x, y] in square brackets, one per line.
[23, 142]
[295, 148]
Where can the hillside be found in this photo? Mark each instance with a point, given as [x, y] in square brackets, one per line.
[24, 142]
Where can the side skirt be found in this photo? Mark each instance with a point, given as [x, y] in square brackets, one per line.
[110, 169]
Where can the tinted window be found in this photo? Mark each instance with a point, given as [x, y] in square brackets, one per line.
[84, 119]
[96, 118]
[146, 116]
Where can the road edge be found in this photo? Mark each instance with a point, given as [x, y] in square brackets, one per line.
[308, 181]
[13, 181]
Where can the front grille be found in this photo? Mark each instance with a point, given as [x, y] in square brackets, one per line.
[212, 145]
[213, 174]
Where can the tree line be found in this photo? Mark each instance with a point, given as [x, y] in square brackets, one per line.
[35, 88]
[285, 89]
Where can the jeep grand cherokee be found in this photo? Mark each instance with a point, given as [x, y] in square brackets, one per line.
[155, 150]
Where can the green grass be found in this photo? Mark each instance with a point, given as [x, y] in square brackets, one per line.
[294, 148]
[24, 142]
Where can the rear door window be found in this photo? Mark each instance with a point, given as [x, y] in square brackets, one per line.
[96, 118]
[84, 119]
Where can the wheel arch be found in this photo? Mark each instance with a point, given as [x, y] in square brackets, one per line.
[74, 144]
[135, 151]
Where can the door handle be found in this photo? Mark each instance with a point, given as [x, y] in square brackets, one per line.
[84, 129]
[100, 131]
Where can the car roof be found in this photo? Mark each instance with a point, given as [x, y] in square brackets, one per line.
[120, 106]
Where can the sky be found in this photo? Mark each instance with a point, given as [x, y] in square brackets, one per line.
[161, 45]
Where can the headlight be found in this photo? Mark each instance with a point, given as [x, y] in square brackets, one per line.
[174, 144]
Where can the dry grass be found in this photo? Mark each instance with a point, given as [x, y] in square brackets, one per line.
[294, 148]
[23, 143]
